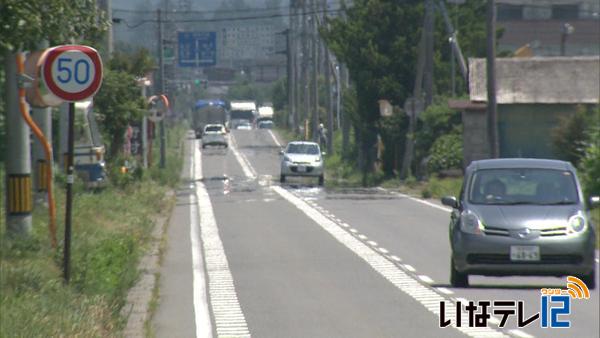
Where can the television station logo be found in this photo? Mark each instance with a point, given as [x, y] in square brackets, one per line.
[555, 307]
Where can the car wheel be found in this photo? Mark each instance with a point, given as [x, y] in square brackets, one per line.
[321, 180]
[282, 178]
[458, 279]
[589, 279]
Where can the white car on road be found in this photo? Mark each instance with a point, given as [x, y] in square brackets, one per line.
[214, 135]
[302, 159]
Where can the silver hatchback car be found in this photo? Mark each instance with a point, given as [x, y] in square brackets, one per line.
[302, 159]
[520, 217]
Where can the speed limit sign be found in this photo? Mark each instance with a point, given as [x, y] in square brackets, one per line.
[72, 72]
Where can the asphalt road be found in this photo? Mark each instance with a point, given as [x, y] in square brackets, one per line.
[248, 256]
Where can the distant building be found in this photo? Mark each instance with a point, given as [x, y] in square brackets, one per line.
[550, 27]
[532, 95]
[252, 47]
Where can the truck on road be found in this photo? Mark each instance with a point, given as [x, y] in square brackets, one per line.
[242, 112]
[208, 112]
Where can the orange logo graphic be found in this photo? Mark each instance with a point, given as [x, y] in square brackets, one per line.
[577, 288]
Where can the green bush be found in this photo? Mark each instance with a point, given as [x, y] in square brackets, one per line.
[446, 153]
[572, 134]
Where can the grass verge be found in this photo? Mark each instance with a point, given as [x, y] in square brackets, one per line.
[110, 230]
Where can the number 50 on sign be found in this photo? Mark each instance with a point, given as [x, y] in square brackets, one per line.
[72, 72]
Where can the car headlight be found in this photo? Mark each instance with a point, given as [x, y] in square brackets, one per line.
[317, 160]
[577, 223]
[470, 223]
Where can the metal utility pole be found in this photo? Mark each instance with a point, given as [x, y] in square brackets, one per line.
[492, 114]
[428, 75]
[315, 71]
[18, 161]
[161, 86]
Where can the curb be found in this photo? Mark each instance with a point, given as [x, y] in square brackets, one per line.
[137, 307]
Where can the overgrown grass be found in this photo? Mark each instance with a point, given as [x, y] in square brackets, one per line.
[110, 230]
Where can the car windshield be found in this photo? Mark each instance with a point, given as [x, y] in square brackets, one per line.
[213, 128]
[523, 186]
[303, 148]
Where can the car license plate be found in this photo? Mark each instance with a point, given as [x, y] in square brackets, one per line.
[524, 253]
[301, 169]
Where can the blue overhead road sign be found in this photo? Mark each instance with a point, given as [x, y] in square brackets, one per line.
[197, 49]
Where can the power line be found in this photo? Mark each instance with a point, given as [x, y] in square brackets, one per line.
[243, 18]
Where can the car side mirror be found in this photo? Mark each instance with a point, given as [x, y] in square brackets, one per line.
[280, 152]
[594, 201]
[323, 153]
[450, 201]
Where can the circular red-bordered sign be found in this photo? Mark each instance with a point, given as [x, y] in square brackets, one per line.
[72, 72]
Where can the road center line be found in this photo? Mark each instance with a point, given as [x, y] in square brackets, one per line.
[228, 315]
[275, 139]
[403, 281]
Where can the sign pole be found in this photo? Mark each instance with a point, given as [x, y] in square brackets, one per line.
[69, 203]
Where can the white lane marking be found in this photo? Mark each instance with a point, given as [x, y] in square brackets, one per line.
[242, 160]
[228, 315]
[275, 139]
[363, 237]
[201, 312]
[353, 230]
[345, 225]
[396, 258]
[383, 250]
[425, 295]
[520, 333]
[417, 200]
[445, 291]
[426, 279]
[372, 243]
[409, 268]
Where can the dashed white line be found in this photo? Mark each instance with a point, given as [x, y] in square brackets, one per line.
[228, 315]
[409, 268]
[275, 139]
[353, 230]
[384, 251]
[396, 258]
[372, 243]
[445, 291]
[363, 237]
[426, 279]
[242, 160]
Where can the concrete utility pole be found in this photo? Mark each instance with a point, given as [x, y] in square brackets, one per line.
[492, 114]
[294, 61]
[328, 99]
[304, 73]
[315, 71]
[428, 75]
[18, 161]
[417, 95]
[161, 88]
[43, 118]
[291, 120]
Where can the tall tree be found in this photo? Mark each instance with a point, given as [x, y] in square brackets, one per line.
[378, 41]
